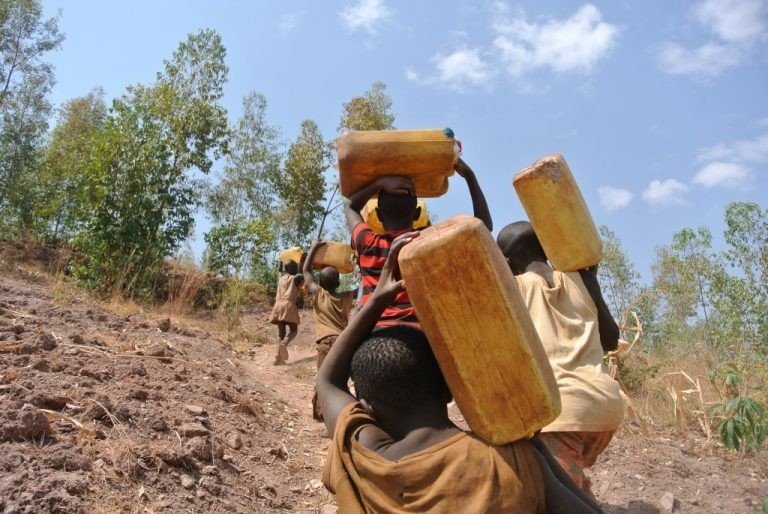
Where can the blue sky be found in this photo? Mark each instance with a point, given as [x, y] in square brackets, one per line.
[660, 108]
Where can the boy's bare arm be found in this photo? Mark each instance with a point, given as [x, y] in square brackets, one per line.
[333, 374]
[609, 330]
[307, 267]
[479, 205]
[356, 201]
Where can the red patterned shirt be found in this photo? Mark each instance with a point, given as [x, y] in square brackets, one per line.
[372, 251]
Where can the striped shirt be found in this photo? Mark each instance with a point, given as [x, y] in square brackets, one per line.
[372, 251]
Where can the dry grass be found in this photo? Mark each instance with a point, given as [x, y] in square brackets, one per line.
[191, 296]
[185, 289]
[668, 388]
[676, 390]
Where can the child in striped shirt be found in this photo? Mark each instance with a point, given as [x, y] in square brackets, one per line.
[397, 209]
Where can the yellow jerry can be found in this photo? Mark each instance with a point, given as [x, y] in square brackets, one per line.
[338, 255]
[291, 254]
[472, 312]
[372, 219]
[559, 214]
[426, 156]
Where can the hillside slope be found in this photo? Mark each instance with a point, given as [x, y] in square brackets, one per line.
[123, 412]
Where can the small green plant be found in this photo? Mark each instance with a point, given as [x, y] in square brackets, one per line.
[743, 423]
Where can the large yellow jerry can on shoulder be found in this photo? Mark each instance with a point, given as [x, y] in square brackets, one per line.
[338, 255]
[372, 219]
[471, 310]
[559, 214]
[426, 156]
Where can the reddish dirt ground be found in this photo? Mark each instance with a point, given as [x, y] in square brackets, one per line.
[103, 411]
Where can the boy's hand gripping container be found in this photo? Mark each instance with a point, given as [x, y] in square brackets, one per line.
[338, 255]
[374, 223]
[426, 156]
[479, 329]
[291, 254]
[559, 214]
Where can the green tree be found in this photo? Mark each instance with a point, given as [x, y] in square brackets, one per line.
[683, 274]
[618, 278]
[140, 191]
[25, 81]
[302, 185]
[741, 298]
[747, 235]
[63, 167]
[239, 245]
[243, 202]
[25, 37]
[371, 111]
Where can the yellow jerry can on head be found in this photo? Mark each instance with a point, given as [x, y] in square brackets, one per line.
[426, 156]
[338, 255]
[474, 317]
[291, 254]
[372, 219]
[559, 214]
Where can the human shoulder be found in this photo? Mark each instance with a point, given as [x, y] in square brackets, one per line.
[568, 276]
[531, 280]
[352, 417]
[573, 284]
[361, 229]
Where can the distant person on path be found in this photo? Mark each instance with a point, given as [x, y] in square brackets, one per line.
[394, 449]
[285, 314]
[397, 209]
[575, 327]
[331, 310]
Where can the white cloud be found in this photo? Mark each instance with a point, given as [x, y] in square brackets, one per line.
[735, 27]
[288, 22]
[725, 174]
[746, 151]
[573, 44]
[709, 59]
[365, 14]
[457, 70]
[613, 198]
[667, 192]
[734, 21]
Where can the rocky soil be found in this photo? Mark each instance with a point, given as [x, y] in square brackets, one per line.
[107, 411]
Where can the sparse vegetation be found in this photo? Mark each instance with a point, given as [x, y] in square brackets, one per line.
[702, 362]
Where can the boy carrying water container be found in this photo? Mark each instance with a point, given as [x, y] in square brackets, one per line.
[331, 310]
[394, 448]
[397, 209]
[575, 327]
[285, 314]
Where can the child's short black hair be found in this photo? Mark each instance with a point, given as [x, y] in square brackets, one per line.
[329, 278]
[396, 366]
[398, 210]
[291, 267]
[520, 245]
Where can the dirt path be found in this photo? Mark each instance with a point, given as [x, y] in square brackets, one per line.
[636, 474]
[103, 410]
